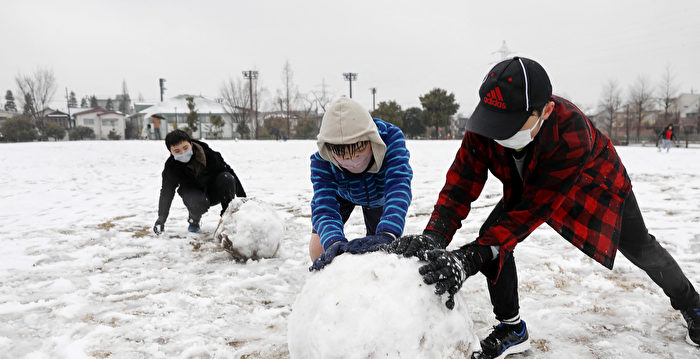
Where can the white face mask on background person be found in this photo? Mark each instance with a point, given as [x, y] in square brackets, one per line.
[357, 164]
[521, 138]
[184, 157]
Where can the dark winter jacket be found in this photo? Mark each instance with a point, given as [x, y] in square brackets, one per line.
[200, 172]
[664, 136]
[573, 180]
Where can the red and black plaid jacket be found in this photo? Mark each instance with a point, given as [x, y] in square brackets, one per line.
[574, 181]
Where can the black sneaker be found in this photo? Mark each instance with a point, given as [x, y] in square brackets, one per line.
[692, 317]
[504, 340]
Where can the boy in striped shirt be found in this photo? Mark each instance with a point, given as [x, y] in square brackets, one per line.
[360, 161]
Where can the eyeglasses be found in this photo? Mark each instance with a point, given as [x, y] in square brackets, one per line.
[347, 149]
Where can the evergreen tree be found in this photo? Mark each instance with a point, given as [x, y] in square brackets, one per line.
[124, 99]
[84, 102]
[80, 133]
[390, 112]
[109, 105]
[217, 125]
[10, 102]
[243, 130]
[19, 129]
[192, 116]
[55, 130]
[72, 101]
[413, 122]
[438, 107]
[28, 105]
[93, 101]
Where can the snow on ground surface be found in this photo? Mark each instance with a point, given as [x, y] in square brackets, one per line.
[82, 276]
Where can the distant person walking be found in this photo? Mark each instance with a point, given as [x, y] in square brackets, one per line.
[666, 135]
[155, 119]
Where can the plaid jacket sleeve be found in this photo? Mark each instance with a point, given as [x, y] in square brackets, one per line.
[463, 184]
[397, 185]
[325, 209]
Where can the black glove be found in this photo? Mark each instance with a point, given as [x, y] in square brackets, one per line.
[449, 269]
[327, 256]
[369, 243]
[159, 226]
[415, 244]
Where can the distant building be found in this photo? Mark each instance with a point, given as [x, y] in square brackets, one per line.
[175, 112]
[102, 122]
[59, 117]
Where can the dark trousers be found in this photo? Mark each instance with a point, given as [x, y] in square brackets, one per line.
[636, 244]
[198, 201]
[371, 215]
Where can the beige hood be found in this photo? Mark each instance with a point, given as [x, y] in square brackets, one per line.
[347, 122]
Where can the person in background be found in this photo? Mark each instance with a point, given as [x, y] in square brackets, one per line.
[556, 168]
[666, 135]
[200, 175]
[360, 161]
[155, 119]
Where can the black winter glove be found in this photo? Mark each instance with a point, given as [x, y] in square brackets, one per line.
[159, 226]
[369, 243]
[449, 269]
[327, 256]
[413, 245]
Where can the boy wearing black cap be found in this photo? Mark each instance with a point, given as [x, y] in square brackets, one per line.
[556, 168]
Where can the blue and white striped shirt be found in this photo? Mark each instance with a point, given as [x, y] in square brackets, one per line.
[389, 188]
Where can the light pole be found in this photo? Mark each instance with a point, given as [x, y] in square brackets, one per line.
[252, 75]
[350, 76]
[162, 88]
[374, 93]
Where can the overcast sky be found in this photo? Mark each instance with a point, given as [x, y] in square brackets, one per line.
[403, 48]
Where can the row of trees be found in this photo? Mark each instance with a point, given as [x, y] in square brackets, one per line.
[245, 101]
[21, 129]
[641, 98]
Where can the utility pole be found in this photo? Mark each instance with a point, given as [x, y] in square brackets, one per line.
[350, 76]
[374, 93]
[70, 118]
[252, 75]
[627, 123]
[162, 88]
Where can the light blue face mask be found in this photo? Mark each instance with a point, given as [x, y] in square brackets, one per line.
[184, 157]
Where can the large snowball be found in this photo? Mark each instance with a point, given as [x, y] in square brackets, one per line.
[250, 229]
[376, 306]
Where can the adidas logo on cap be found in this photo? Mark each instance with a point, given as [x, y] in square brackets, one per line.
[494, 98]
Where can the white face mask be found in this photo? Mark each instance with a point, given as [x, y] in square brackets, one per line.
[184, 157]
[521, 138]
[357, 164]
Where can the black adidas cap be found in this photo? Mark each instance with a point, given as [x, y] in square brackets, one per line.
[510, 92]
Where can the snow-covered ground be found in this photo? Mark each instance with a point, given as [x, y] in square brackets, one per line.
[82, 276]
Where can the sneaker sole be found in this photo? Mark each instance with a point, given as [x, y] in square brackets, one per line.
[687, 339]
[515, 349]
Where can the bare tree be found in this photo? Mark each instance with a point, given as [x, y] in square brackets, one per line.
[611, 103]
[236, 97]
[641, 99]
[40, 87]
[668, 88]
[288, 98]
[323, 97]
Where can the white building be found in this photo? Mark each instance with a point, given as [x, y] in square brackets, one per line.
[175, 112]
[102, 122]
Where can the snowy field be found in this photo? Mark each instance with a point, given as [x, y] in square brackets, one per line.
[82, 275]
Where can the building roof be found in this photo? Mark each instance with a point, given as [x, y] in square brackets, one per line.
[100, 111]
[178, 104]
